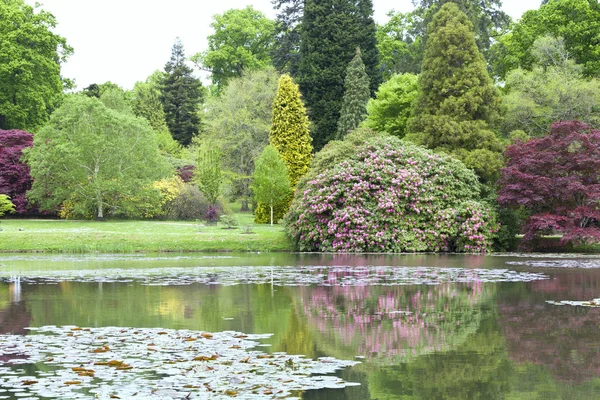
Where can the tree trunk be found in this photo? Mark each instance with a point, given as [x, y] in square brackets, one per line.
[271, 214]
[245, 206]
[100, 216]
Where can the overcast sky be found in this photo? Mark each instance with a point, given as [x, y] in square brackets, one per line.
[124, 41]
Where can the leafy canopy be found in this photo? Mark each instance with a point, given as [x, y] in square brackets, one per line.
[31, 55]
[15, 180]
[242, 40]
[94, 158]
[271, 184]
[555, 178]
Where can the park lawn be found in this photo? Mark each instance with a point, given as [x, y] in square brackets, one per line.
[66, 236]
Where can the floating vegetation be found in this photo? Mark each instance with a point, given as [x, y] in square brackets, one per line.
[113, 362]
[588, 303]
[283, 276]
[559, 263]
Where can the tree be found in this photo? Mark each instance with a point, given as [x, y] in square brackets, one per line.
[392, 106]
[208, 172]
[15, 180]
[457, 100]
[577, 21]
[6, 206]
[288, 25]
[400, 50]
[554, 90]
[31, 55]
[181, 95]
[555, 178]
[290, 136]
[242, 40]
[356, 96]
[94, 158]
[271, 184]
[331, 31]
[239, 121]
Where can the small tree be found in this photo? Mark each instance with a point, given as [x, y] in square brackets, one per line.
[271, 182]
[556, 179]
[5, 205]
[208, 172]
[356, 96]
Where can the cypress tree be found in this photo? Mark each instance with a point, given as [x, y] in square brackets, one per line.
[457, 100]
[356, 96]
[181, 94]
[290, 136]
[331, 31]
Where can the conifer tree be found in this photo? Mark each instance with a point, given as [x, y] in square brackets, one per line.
[331, 31]
[356, 96]
[181, 93]
[458, 102]
[290, 136]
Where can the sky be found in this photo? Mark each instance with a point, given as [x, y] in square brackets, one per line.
[124, 41]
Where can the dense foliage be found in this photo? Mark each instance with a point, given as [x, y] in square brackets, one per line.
[390, 196]
[15, 180]
[331, 31]
[271, 184]
[556, 179]
[6, 206]
[208, 172]
[356, 96]
[91, 158]
[457, 99]
[242, 40]
[392, 106]
[289, 135]
[181, 94]
[286, 49]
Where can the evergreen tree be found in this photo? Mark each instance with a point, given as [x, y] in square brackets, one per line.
[271, 183]
[356, 96]
[289, 135]
[457, 101]
[181, 94]
[286, 49]
[331, 31]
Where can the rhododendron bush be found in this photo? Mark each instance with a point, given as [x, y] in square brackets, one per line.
[390, 196]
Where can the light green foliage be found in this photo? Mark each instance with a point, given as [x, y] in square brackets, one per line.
[6, 206]
[30, 59]
[389, 196]
[554, 90]
[239, 121]
[95, 158]
[208, 172]
[289, 135]
[356, 96]
[242, 40]
[458, 102]
[577, 21]
[271, 184]
[115, 100]
[229, 221]
[392, 106]
[400, 51]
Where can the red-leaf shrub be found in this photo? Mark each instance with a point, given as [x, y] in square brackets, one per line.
[557, 179]
[14, 174]
[186, 173]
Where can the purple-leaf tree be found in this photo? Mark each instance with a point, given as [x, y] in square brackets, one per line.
[14, 174]
[556, 178]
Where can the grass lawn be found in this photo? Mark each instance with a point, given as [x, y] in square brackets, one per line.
[138, 236]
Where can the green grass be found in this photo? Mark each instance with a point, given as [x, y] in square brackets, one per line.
[66, 236]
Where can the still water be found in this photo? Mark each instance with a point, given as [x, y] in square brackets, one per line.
[422, 326]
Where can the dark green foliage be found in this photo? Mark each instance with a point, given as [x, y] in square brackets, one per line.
[181, 95]
[331, 31]
[458, 102]
[577, 21]
[30, 59]
[356, 96]
[286, 49]
[400, 50]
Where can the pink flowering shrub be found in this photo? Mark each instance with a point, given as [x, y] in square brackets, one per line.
[391, 196]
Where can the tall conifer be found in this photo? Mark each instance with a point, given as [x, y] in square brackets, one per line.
[458, 102]
[331, 31]
[356, 96]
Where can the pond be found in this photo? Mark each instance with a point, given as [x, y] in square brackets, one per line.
[369, 326]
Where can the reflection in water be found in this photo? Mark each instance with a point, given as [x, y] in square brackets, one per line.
[448, 341]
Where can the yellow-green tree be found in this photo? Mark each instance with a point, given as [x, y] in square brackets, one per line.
[290, 136]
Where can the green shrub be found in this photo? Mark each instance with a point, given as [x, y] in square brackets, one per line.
[390, 196]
